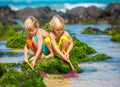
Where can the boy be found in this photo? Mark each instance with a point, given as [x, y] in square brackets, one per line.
[62, 42]
[38, 40]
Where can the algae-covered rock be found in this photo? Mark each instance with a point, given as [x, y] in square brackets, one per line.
[76, 52]
[11, 53]
[2, 70]
[97, 57]
[116, 38]
[27, 78]
[52, 66]
[16, 41]
[8, 31]
[90, 30]
[9, 65]
[112, 30]
[1, 53]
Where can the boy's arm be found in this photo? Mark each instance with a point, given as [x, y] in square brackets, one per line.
[71, 43]
[26, 53]
[55, 46]
[39, 49]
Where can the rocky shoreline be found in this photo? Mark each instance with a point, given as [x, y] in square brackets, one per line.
[92, 14]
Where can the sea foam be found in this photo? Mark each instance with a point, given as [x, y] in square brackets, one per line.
[60, 7]
[71, 6]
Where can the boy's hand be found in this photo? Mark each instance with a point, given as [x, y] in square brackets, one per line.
[65, 57]
[33, 63]
[26, 59]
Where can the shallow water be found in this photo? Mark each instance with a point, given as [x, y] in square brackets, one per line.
[98, 74]
[13, 59]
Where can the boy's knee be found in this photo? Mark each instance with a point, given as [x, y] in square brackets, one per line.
[64, 42]
[48, 41]
[45, 49]
[63, 39]
[29, 42]
[48, 44]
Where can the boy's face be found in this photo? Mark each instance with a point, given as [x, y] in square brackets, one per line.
[58, 31]
[32, 32]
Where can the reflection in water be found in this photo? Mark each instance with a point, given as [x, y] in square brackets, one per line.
[57, 81]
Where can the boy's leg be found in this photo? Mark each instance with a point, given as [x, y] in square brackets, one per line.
[47, 47]
[43, 55]
[64, 46]
[50, 49]
[30, 45]
[35, 41]
[63, 43]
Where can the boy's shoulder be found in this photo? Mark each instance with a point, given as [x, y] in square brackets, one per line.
[41, 30]
[66, 33]
[51, 34]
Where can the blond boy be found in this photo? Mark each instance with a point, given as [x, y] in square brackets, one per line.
[38, 40]
[61, 40]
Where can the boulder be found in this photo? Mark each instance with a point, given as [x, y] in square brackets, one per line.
[95, 12]
[7, 15]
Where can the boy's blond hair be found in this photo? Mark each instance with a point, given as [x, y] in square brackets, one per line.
[57, 22]
[30, 23]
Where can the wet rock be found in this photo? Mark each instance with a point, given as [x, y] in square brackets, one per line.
[6, 15]
[90, 30]
[95, 12]
[112, 8]
[113, 13]
[78, 11]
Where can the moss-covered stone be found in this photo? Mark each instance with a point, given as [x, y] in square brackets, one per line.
[114, 31]
[53, 66]
[90, 30]
[2, 70]
[76, 52]
[1, 54]
[27, 78]
[8, 53]
[116, 38]
[9, 65]
[111, 31]
[8, 31]
[97, 57]
[11, 53]
[16, 41]
[4, 67]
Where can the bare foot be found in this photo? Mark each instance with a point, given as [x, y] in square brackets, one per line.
[43, 55]
[48, 56]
